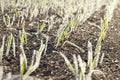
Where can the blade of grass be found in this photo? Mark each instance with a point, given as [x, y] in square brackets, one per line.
[76, 67]
[90, 53]
[82, 50]
[9, 44]
[68, 63]
[82, 66]
[36, 63]
[2, 49]
[22, 66]
[13, 45]
[24, 56]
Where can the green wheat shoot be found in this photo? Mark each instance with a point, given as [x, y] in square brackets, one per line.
[42, 26]
[13, 46]
[35, 61]
[51, 23]
[2, 48]
[70, 66]
[68, 42]
[23, 37]
[9, 42]
[79, 70]
[8, 21]
[22, 66]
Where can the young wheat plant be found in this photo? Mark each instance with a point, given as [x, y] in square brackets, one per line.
[80, 67]
[34, 64]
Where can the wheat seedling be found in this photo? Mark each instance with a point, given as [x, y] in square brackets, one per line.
[46, 42]
[51, 23]
[7, 20]
[23, 37]
[34, 64]
[80, 74]
[2, 48]
[9, 42]
[82, 50]
[22, 65]
[42, 26]
[13, 46]
[70, 66]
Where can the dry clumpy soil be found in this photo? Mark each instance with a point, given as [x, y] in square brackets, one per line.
[52, 65]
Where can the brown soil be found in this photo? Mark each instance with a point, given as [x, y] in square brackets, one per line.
[52, 65]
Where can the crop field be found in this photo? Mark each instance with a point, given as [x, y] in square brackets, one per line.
[59, 40]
